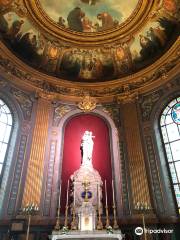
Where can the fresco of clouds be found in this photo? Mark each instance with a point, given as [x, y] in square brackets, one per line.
[119, 10]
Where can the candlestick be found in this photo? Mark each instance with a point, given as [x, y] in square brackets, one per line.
[73, 223]
[115, 225]
[66, 216]
[107, 212]
[66, 208]
[99, 223]
[144, 227]
[67, 194]
[106, 192]
[143, 207]
[29, 210]
[59, 200]
[98, 197]
[57, 226]
[113, 192]
[74, 195]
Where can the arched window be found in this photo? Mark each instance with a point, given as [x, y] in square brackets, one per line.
[170, 128]
[5, 131]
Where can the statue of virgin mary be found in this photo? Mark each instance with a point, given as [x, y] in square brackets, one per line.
[87, 148]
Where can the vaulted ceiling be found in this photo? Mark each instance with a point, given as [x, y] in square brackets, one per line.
[107, 47]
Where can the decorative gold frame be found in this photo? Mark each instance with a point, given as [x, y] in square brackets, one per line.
[125, 30]
[121, 90]
[157, 74]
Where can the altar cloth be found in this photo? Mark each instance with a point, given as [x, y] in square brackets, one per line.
[87, 235]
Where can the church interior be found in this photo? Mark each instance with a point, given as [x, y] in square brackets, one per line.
[89, 120]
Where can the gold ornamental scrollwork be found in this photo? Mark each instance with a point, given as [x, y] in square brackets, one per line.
[46, 95]
[87, 104]
[127, 96]
[61, 111]
[16, 6]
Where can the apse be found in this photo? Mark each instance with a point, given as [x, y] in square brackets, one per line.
[101, 157]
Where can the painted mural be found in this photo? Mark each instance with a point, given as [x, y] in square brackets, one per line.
[90, 65]
[89, 15]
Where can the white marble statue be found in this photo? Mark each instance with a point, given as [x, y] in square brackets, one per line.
[87, 148]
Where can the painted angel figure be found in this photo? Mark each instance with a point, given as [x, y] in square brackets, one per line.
[87, 148]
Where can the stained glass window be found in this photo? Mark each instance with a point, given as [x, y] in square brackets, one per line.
[5, 131]
[170, 129]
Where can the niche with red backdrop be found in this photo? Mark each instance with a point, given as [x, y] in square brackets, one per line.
[101, 157]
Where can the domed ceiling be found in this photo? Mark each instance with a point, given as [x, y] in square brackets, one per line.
[89, 15]
[88, 41]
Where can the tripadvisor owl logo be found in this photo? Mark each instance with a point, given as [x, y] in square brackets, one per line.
[139, 231]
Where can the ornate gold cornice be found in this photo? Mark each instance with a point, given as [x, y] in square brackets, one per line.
[145, 80]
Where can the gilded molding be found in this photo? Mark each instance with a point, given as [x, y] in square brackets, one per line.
[49, 27]
[12, 69]
[127, 97]
[59, 112]
[157, 74]
[87, 103]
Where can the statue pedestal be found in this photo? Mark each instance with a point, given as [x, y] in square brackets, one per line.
[91, 176]
[86, 235]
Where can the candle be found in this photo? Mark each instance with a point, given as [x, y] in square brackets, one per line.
[113, 192]
[106, 192]
[67, 193]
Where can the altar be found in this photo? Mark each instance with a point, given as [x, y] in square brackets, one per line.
[83, 213]
[86, 235]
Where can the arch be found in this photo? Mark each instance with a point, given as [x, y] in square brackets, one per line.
[170, 133]
[114, 149]
[162, 163]
[10, 156]
[6, 123]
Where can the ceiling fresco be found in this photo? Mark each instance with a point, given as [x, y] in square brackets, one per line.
[89, 15]
[131, 52]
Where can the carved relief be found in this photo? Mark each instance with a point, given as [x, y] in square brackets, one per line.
[147, 102]
[68, 56]
[154, 174]
[59, 112]
[26, 127]
[87, 104]
[51, 48]
[114, 112]
[24, 101]
[49, 181]
[11, 68]
[125, 196]
[17, 175]
[127, 96]
[2, 83]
